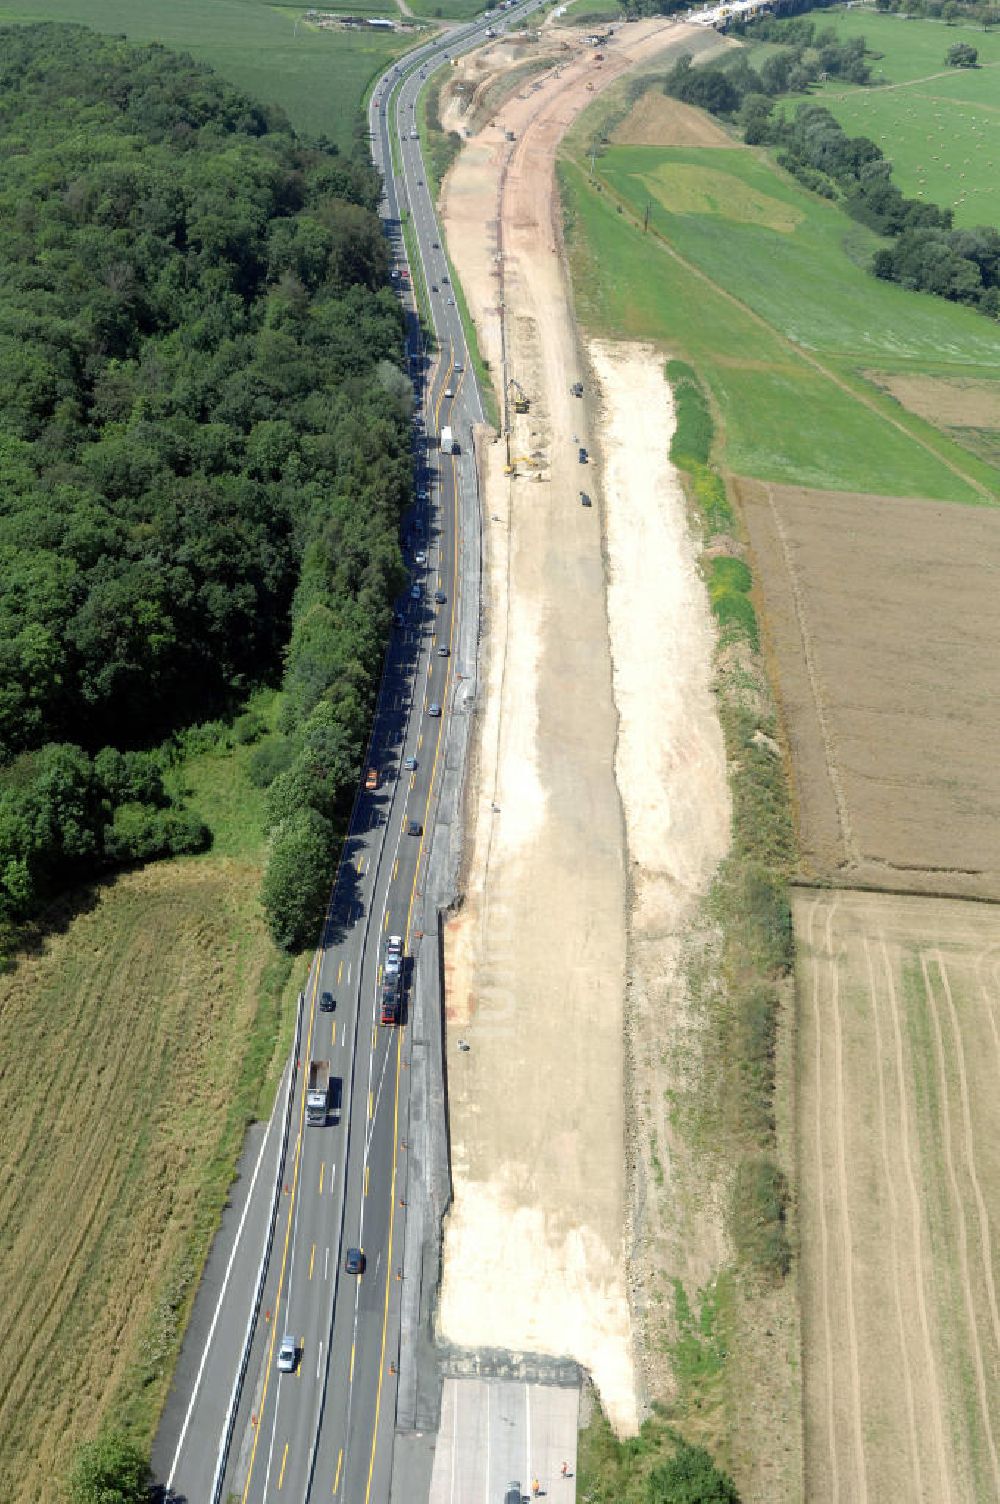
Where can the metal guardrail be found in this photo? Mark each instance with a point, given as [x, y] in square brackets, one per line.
[222, 1461]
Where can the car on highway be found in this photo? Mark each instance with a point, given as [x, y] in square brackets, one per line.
[443, 651]
[450, 302]
[445, 278]
[410, 764]
[434, 708]
[420, 557]
[355, 1261]
[449, 391]
[288, 1354]
[414, 828]
[435, 246]
[440, 597]
[582, 455]
[414, 592]
[584, 499]
[398, 619]
[434, 287]
[326, 1002]
[458, 367]
[513, 1494]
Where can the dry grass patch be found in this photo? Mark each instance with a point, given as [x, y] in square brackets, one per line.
[127, 1069]
[899, 1122]
[948, 402]
[657, 120]
[880, 612]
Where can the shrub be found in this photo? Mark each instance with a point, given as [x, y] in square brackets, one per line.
[757, 1217]
[297, 880]
[109, 1470]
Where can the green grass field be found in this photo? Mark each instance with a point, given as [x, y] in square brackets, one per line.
[319, 77]
[446, 10]
[745, 275]
[939, 126]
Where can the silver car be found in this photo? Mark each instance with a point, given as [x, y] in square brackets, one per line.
[288, 1354]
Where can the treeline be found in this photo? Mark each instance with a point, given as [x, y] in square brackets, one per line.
[724, 88]
[203, 426]
[982, 12]
[927, 254]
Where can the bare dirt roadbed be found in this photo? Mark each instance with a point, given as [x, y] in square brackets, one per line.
[899, 1122]
[882, 614]
[536, 1247]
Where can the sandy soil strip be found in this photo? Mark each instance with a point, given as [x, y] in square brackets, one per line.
[536, 1244]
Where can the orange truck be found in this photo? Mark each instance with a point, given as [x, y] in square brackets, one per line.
[371, 780]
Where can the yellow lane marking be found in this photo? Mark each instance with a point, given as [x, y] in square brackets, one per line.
[284, 1459]
[340, 1463]
[374, 1039]
[385, 921]
[420, 741]
[367, 1174]
[322, 1169]
[340, 972]
[312, 1260]
[413, 780]
[395, 869]
[370, 1104]
[379, 976]
[333, 1032]
[352, 1362]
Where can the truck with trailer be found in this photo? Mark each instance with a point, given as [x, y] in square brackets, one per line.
[392, 987]
[448, 444]
[318, 1092]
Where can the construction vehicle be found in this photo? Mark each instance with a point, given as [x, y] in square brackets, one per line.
[521, 402]
[318, 1092]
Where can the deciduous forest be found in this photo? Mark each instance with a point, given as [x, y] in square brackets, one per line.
[203, 456]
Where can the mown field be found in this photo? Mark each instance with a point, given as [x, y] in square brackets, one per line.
[940, 126]
[899, 1123]
[763, 288]
[317, 76]
[137, 1037]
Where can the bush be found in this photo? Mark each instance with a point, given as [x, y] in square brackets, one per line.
[691, 1477]
[757, 1218]
[692, 441]
[729, 584]
[109, 1471]
[268, 759]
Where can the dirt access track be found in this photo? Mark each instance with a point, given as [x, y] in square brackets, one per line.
[899, 1174]
[537, 1246]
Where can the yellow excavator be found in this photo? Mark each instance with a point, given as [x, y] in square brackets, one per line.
[521, 403]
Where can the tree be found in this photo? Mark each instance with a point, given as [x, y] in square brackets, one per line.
[109, 1470]
[298, 877]
[961, 55]
[691, 1477]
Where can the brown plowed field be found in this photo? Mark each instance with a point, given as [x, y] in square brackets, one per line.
[882, 615]
[899, 1186]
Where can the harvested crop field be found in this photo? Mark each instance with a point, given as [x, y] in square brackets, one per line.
[881, 615]
[657, 120]
[899, 1193]
[125, 1077]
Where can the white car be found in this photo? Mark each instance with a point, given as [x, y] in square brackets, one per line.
[288, 1354]
[420, 558]
[449, 392]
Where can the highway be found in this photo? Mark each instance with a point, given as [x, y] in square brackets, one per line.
[325, 1430]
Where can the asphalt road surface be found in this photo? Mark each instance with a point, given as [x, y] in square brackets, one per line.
[325, 1429]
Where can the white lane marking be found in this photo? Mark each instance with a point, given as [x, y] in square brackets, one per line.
[218, 1309]
[319, 1360]
[326, 1263]
[270, 1450]
[333, 1174]
[527, 1436]
[489, 1457]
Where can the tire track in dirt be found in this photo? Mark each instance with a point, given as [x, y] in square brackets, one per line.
[824, 1231]
[985, 1239]
[845, 1221]
[960, 1221]
[895, 1222]
[945, 1492]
